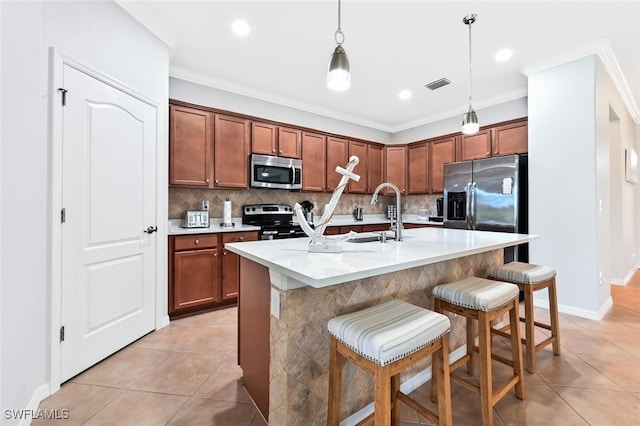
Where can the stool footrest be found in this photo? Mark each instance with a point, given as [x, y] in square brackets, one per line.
[417, 407]
[506, 387]
[545, 342]
[465, 383]
[367, 420]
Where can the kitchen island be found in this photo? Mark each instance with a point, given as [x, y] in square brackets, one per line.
[287, 295]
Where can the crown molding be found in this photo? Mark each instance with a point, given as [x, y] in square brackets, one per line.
[220, 84]
[148, 20]
[604, 51]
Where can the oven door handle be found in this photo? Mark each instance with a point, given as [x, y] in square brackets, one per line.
[269, 232]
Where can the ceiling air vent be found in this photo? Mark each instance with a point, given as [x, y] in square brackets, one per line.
[437, 84]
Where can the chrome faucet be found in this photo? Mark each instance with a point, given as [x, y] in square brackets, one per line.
[374, 199]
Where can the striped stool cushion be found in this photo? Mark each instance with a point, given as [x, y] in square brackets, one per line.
[389, 331]
[524, 273]
[477, 293]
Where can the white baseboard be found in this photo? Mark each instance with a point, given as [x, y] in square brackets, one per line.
[38, 396]
[406, 387]
[578, 312]
[626, 279]
[165, 322]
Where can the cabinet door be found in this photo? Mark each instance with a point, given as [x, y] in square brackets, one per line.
[231, 151]
[442, 151]
[347, 229]
[263, 138]
[190, 142]
[337, 155]
[510, 139]
[475, 146]
[418, 168]
[289, 142]
[396, 168]
[196, 280]
[375, 227]
[332, 230]
[360, 150]
[231, 263]
[375, 164]
[313, 162]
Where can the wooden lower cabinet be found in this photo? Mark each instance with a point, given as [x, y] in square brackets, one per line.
[376, 227]
[231, 263]
[202, 275]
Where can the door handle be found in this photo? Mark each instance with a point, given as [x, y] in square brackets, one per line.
[151, 229]
[473, 205]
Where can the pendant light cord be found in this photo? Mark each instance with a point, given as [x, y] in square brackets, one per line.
[339, 30]
[470, 64]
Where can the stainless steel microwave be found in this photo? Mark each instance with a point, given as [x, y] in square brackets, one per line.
[275, 172]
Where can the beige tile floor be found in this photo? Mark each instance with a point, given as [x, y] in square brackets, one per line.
[186, 374]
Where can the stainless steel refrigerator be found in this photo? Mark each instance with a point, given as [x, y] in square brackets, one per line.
[488, 195]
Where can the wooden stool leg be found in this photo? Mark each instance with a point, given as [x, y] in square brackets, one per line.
[335, 383]
[395, 402]
[553, 311]
[382, 405]
[486, 388]
[437, 307]
[529, 329]
[440, 371]
[471, 341]
[516, 348]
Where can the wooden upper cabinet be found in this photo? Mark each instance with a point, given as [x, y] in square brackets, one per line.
[396, 168]
[263, 138]
[190, 154]
[231, 152]
[375, 166]
[418, 169]
[289, 142]
[475, 146]
[359, 149]
[442, 151]
[510, 139]
[337, 155]
[313, 162]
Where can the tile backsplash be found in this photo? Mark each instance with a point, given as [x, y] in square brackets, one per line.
[183, 199]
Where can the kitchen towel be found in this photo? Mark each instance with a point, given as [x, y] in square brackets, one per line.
[226, 213]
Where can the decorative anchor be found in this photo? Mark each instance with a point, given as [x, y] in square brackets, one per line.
[323, 243]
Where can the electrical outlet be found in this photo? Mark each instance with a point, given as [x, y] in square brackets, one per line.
[275, 303]
[315, 204]
[353, 206]
[205, 204]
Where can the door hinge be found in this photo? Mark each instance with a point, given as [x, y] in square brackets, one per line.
[64, 95]
[63, 215]
[62, 333]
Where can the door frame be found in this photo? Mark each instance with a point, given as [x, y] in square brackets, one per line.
[57, 60]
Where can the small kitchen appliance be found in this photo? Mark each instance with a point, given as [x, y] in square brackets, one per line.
[308, 206]
[196, 219]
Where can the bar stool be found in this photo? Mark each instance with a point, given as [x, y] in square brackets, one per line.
[384, 340]
[484, 300]
[530, 278]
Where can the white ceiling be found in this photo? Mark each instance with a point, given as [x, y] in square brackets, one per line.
[392, 45]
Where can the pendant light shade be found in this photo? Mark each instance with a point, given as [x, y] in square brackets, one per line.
[470, 123]
[338, 76]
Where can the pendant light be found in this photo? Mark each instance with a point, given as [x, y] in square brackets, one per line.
[470, 119]
[338, 77]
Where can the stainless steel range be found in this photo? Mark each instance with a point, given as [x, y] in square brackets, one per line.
[275, 221]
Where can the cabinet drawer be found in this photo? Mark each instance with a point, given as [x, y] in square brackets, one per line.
[237, 237]
[194, 242]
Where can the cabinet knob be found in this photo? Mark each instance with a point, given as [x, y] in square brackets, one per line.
[215, 254]
[217, 181]
[274, 150]
[224, 253]
[241, 238]
[280, 151]
[488, 153]
[495, 152]
[197, 241]
[207, 179]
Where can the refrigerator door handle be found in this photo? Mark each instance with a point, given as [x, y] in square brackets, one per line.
[472, 192]
[467, 203]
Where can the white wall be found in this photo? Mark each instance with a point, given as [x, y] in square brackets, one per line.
[494, 114]
[215, 98]
[103, 36]
[562, 180]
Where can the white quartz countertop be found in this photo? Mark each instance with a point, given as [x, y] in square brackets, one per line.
[292, 266]
[175, 227]
[374, 219]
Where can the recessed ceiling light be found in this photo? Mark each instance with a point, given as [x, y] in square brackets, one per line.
[404, 94]
[504, 55]
[240, 27]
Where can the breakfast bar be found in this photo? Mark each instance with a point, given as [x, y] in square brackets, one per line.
[287, 295]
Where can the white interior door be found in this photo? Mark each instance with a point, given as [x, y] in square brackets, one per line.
[109, 199]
